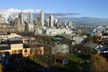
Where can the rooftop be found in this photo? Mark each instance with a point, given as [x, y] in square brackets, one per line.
[4, 47]
[15, 40]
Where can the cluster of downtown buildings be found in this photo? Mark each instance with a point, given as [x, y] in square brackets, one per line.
[40, 25]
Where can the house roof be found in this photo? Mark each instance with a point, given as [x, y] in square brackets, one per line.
[101, 48]
[15, 40]
[105, 34]
[4, 47]
[26, 45]
[91, 45]
[32, 45]
[58, 37]
[35, 45]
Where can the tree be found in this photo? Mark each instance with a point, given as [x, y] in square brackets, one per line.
[90, 39]
[1, 68]
[99, 63]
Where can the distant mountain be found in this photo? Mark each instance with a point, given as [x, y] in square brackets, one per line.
[88, 20]
[91, 20]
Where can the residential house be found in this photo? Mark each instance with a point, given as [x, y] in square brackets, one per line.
[16, 46]
[60, 48]
[102, 49]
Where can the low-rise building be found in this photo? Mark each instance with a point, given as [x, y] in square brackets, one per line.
[4, 48]
[54, 31]
[61, 48]
[6, 36]
[59, 31]
[16, 46]
[31, 51]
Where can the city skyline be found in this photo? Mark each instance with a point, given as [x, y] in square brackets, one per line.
[86, 8]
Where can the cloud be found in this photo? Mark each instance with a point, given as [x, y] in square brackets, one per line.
[12, 10]
[31, 10]
[7, 12]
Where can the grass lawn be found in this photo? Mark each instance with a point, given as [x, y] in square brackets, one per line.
[73, 58]
[72, 66]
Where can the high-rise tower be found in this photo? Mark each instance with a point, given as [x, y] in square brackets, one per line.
[51, 21]
[21, 25]
[30, 18]
[41, 19]
[30, 23]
